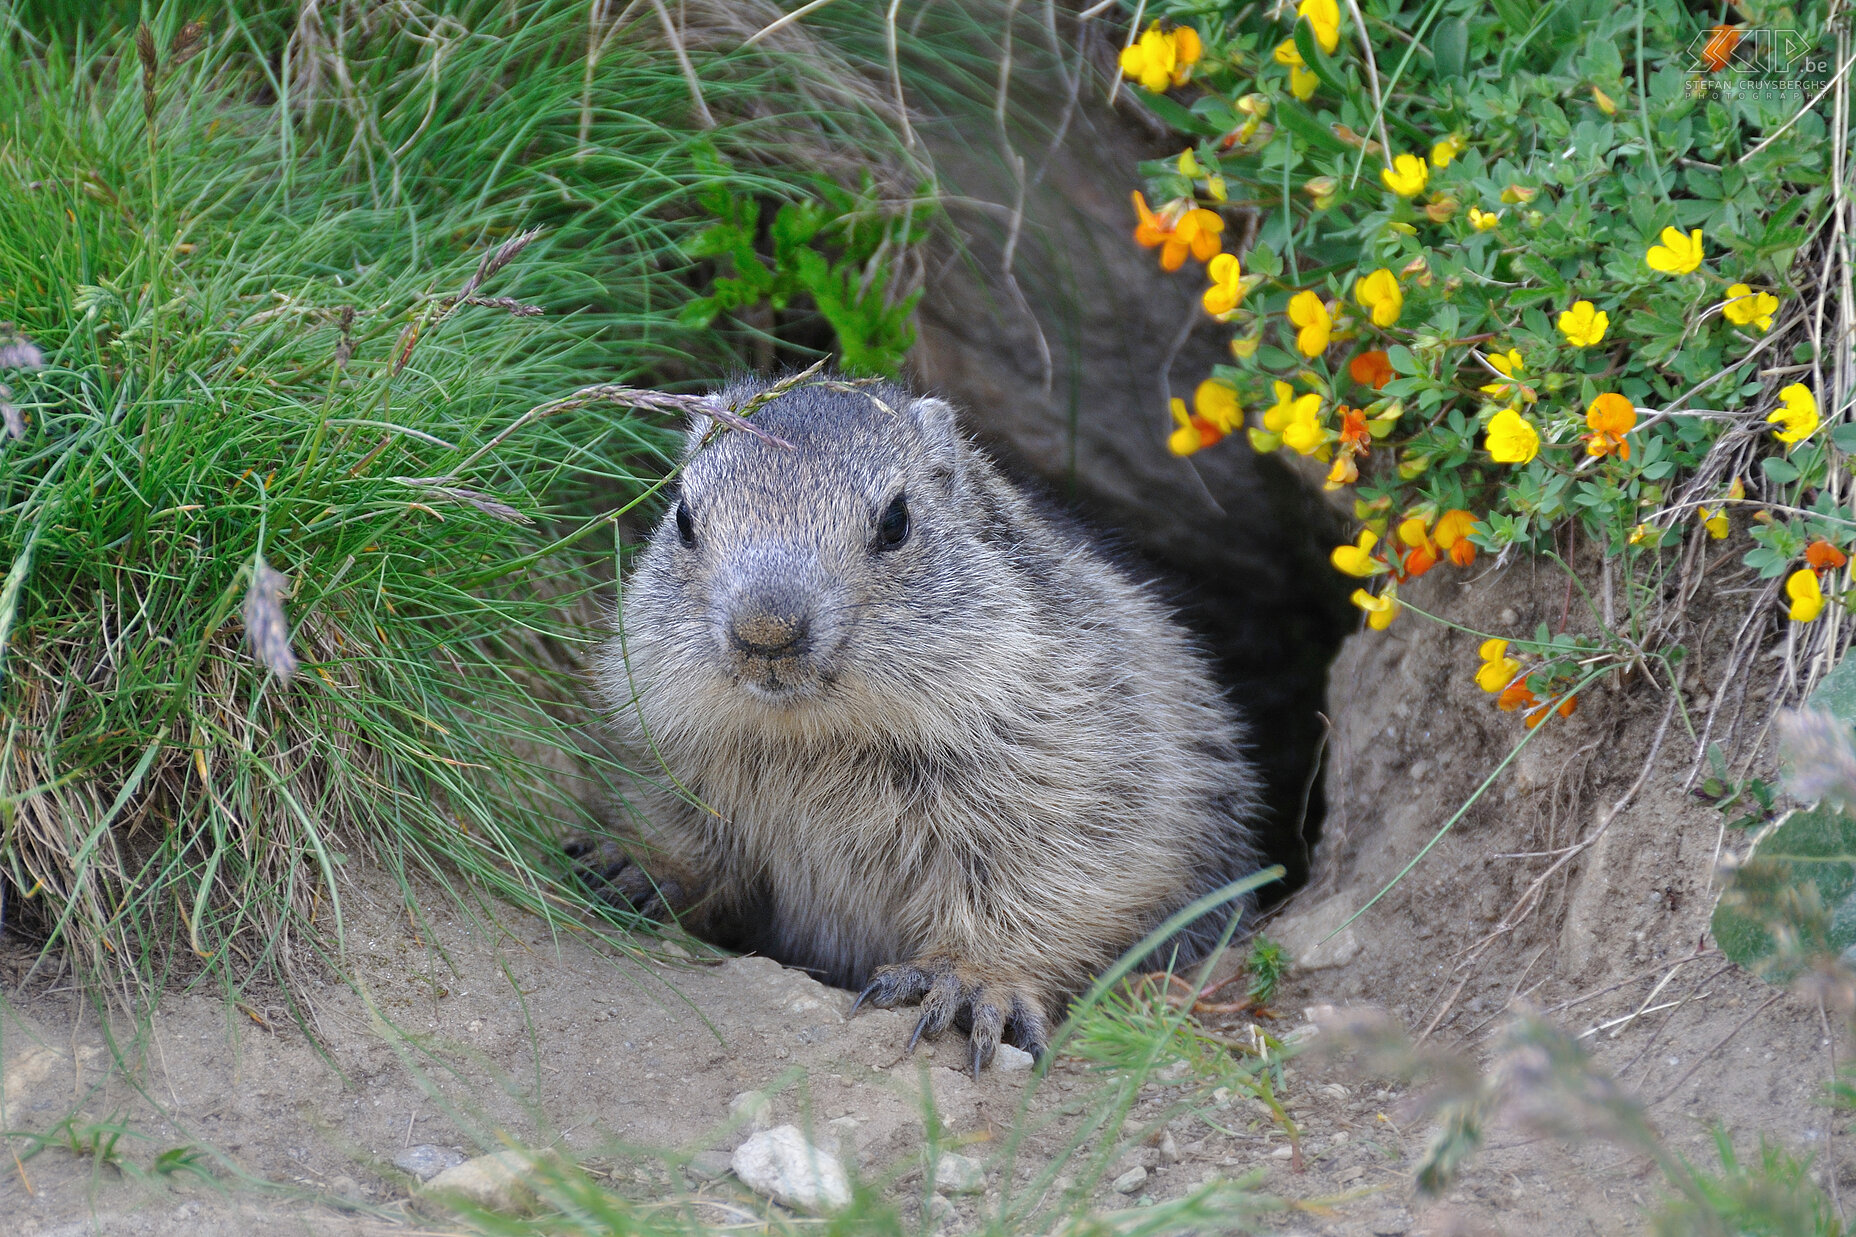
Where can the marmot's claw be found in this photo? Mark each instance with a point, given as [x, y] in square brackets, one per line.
[949, 996]
[619, 882]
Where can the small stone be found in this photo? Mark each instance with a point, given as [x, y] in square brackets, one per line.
[494, 1182]
[1282, 1153]
[1131, 1180]
[707, 1165]
[1169, 1148]
[1009, 1060]
[780, 1164]
[752, 1110]
[425, 1161]
[1508, 617]
[344, 1186]
[841, 1138]
[940, 1210]
[959, 1174]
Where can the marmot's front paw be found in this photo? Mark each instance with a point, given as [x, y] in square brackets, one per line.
[614, 879]
[950, 992]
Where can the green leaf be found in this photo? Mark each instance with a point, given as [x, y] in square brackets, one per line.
[1318, 60]
[1836, 692]
[1450, 47]
[1402, 359]
[1297, 120]
[1179, 118]
[1799, 887]
[1779, 471]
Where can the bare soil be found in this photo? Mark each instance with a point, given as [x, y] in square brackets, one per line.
[470, 1037]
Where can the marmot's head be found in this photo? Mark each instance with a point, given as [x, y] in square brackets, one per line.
[785, 573]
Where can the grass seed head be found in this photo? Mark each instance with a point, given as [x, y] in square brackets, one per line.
[151, 68]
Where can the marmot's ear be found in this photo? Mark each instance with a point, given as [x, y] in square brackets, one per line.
[936, 421]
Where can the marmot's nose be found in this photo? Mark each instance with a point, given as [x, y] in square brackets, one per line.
[776, 627]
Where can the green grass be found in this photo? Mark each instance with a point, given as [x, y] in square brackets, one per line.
[246, 289]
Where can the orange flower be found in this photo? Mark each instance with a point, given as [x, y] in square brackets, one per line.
[1422, 552]
[1516, 696]
[1540, 715]
[1178, 228]
[1610, 417]
[1354, 435]
[1372, 369]
[1823, 556]
[1355, 441]
[1451, 533]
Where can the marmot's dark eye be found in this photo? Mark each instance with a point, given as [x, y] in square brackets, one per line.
[893, 529]
[686, 523]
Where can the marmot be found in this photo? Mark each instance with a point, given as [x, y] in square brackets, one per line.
[905, 727]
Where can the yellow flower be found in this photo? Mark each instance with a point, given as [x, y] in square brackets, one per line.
[1185, 438]
[1714, 519]
[1444, 151]
[1289, 407]
[1302, 79]
[1198, 231]
[1158, 60]
[1380, 610]
[1806, 594]
[1216, 402]
[1216, 414]
[1322, 189]
[1798, 415]
[1498, 669]
[1304, 433]
[1323, 18]
[1312, 321]
[1514, 195]
[1746, 307]
[1678, 254]
[1511, 438]
[1483, 220]
[1357, 559]
[1380, 293]
[1227, 285]
[1407, 176]
[1508, 364]
[1605, 102]
[1584, 325]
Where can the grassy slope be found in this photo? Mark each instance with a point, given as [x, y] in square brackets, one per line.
[242, 304]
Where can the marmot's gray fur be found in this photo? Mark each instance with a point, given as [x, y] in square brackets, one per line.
[907, 728]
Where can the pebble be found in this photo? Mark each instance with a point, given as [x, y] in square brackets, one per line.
[425, 1161]
[752, 1110]
[959, 1174]
[1131, 1180]
[941, 1211]
[1009, 1060]
[1169, 1148]
[780, 1164]
[708, 1165]
[494, 1182]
